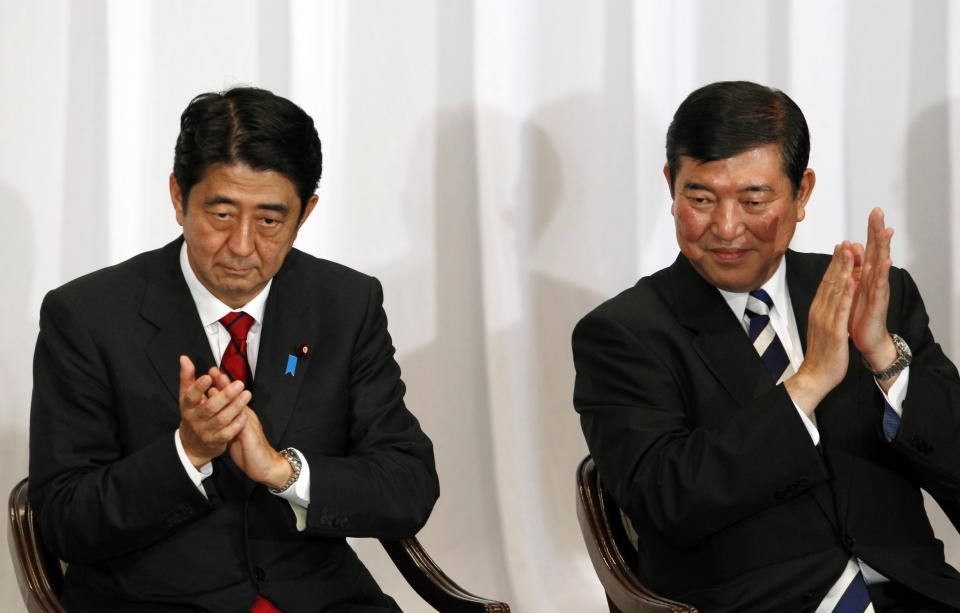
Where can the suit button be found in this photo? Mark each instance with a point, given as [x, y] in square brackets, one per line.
[849, 541]
[259, 573]
[804, 481]
[780, 495]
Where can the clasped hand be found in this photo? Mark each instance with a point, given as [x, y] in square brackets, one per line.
[215, 417]
[850, 304]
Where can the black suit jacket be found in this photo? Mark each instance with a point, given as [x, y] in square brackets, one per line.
[113, 499]
[736, 510]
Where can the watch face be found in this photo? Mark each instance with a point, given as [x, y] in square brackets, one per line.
[904, 356]
[902, 347]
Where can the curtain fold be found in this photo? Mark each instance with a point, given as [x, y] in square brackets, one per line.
[498, 165]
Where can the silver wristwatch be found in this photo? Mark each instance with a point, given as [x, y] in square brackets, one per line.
[904, 355]
[290, 456]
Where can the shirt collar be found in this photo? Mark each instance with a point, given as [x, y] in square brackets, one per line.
[776, 287]
[209, 307]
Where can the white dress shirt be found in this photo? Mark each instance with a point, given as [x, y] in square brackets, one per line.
[211, 310]
[785, 325]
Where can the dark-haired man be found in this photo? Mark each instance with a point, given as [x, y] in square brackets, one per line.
[212, 419]
[756, 411]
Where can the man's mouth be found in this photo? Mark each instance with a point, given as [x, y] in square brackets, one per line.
[238, 271]
[727, 254]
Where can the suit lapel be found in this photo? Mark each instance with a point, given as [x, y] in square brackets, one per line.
[803, 279]
[804, 274]
[725, 347]
[721, 340]
[288, 321]
[167, 304]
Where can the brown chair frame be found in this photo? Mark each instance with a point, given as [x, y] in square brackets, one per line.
[611, 552]
[40, 577]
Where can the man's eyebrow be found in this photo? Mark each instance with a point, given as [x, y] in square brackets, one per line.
[278, 207]
[757, 188]
[692, 185]
[217, 199]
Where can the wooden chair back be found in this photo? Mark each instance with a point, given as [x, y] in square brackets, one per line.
[40, 576]
[611, 543]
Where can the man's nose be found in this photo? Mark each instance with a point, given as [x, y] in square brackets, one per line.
[727, 220]
[241, 239]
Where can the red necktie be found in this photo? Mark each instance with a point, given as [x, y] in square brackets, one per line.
[262, 605]
[234, 361]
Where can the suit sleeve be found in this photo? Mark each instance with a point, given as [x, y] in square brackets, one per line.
[95, 497]
[930, 428]
[386, 484]
[685, 462]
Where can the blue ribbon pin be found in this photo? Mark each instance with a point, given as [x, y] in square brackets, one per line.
[291, 365]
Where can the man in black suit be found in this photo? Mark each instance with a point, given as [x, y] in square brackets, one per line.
[171, 484]
[754, 410]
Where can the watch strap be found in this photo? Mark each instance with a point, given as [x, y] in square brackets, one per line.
[291, 456]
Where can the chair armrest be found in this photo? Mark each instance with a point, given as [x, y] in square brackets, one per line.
[38, 574]
[624, 590]
[432, 584]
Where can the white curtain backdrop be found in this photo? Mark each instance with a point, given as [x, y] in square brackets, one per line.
[497, 164]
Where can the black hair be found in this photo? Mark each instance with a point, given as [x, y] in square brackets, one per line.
[724, 119]
[251, 126]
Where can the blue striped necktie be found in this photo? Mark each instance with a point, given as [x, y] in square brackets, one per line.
[852, 590]
[764, 338]
[854, 598]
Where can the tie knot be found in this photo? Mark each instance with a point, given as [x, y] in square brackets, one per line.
[759, 302]
[237, 324]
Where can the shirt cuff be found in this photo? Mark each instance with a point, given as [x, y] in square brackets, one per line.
[898, 391]
[197, 476]
[809, 425]
[298, 494]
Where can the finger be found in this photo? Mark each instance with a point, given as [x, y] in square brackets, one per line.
[235, 428]
[220, 378]
[878, 236]
[880, 287]
[844, 306]
[833, 268]
[858, 253]
[213, 424]
[221, 434]
[187, 372]
[217, 399]
[828, 283]
[859, 259]
[231, 410]
[196, 393]
[837, 291]
[842, 266]
[847, 282]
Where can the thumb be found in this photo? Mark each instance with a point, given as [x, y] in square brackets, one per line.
[187, 373]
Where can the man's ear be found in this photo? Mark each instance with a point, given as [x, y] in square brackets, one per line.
[666, 175]
[177, 198]
[307, 210]
[807, 181]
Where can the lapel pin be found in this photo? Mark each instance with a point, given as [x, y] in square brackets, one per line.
[302, 351]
